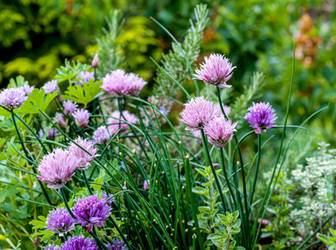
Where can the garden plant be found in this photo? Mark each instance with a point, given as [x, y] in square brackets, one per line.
[93, 160]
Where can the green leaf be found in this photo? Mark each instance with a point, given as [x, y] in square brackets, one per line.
[37, 101]
[85, 94]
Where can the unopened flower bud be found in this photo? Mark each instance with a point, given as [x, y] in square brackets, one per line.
[95, 61]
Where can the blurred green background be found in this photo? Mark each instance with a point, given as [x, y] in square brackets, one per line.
[257, 35]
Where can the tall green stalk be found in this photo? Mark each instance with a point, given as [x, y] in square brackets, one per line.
[256, 170]
[207, 153]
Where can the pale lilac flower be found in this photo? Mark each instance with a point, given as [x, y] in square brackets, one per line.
[123, 121]
[95, 61]
[136, 83]
[60, 120]
[91, 211]
[218, 111]
[197, 113]
[261, 116]
[119, 83]
[51, 133]
[84, 77]
[60, 221]
[84, 158]
[116, 245]
[50, 87]
[101, 135]
[219, 131]
[52, 247]
[12, 98]
[69, 107]
[79, 243]
[57, 168]
[216, 69]
[27, 89]
[145, 185]
[82, 117]
[125, 185]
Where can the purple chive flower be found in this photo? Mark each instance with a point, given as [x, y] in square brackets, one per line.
[79, 243]
[52, 247]
[57, 168]
[116, 245]
[60, 120]
[101, 135]
[27, 89]
[91, 211]
[50, 87]
[119, 83]
[261, 116]
[12, 98]
[84, 158]
[216, 69]
[60, 221]
[84, 77]
[123, 121]
[145, 185]
[51, 133]
[197, 113]
[69, 107]
[82, 117]
[95, 61]
[219, 131]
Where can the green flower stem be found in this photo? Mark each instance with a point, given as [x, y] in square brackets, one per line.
[29, 157]
[207, 153]
[241, 165]
[87, 182]
[256, 170]
[119, 231]
[227, 179]
[66, 203]
[193, 204]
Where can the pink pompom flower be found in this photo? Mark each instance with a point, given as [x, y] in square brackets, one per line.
[50, 87]
[120, 83]
[69, 107]
[57, 168]
[216, 69]
[12, 98]
[124, 120]
[81, 117]
[219, 131]
[86, 156]
[197, 113]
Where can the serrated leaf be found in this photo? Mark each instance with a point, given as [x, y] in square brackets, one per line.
[37, 101]
[83, 94]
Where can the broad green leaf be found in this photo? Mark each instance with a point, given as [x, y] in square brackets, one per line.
[85, 94]
[36, 102]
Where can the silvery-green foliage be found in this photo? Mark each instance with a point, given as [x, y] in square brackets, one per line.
[109, 56]
[220, 228]
[177, 63]
[316, 181]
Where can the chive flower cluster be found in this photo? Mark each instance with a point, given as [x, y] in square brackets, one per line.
[13, 98]
[58, 167]
[201, 114]
[120, 83]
